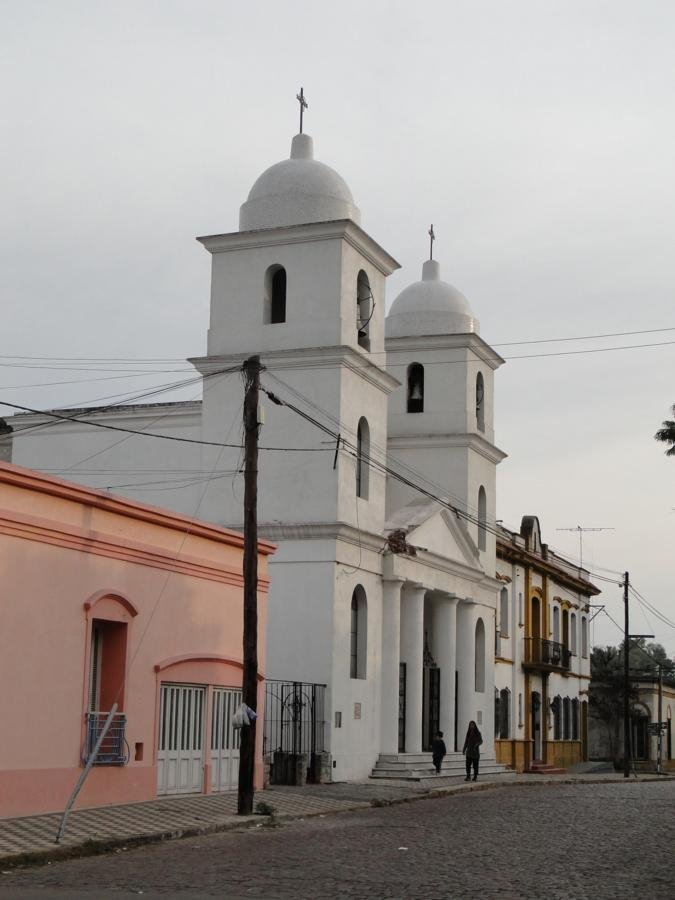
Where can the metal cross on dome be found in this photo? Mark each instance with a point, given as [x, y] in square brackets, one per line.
[432, 238]
[303, 105]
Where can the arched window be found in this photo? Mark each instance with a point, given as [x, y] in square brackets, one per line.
[567, 710]
[556, 625]
[575, 719]
[362, 453]
[482, 518]
[480, 656]
[365, 306]
[504, 713]
[504, 612]
[573, 634]
[584, 636]
[275, 295]
[359, 634]
[556, 708]
[480, 401]
[415, 403]
[497, 713]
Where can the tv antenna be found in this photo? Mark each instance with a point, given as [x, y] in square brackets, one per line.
[581, 531]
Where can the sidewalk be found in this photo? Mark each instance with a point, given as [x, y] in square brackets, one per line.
[31, 839]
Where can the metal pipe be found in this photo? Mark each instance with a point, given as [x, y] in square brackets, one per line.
[85, 772]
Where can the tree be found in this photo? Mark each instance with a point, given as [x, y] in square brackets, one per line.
[646, 657]
[667, 434]
[606, 692]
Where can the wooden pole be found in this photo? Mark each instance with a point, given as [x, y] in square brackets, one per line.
[250, 642]
[626, 683]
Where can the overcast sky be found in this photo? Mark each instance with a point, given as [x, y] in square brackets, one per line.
[538, 137]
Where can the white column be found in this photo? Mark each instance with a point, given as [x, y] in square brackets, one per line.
[466, 666]
[487, 699]
[412, 654]
[444, 651]
[389, 673]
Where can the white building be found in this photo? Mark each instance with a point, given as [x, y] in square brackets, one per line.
[379, 590]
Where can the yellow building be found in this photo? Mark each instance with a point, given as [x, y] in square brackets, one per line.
[542, 654]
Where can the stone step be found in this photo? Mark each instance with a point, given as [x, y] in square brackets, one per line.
[419, 767]
[417, 757]
[424, 774]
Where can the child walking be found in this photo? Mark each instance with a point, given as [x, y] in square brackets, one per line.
[438, 751]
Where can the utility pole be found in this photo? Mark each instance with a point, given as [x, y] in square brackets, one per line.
[250, 643]
[626, 682]
[660, 738]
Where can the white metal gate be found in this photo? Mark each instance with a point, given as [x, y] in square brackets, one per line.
[180, 757]
[224, 741]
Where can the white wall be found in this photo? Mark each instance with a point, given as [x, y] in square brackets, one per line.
[150, 470]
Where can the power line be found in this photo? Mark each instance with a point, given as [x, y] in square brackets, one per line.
[78, 411]
[359, 454]
[656, 612]
[270, 366]
[165, 437]
[163, 360]
[462, 504]
[583, 337]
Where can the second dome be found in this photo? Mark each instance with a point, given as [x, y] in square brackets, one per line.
[430, 306]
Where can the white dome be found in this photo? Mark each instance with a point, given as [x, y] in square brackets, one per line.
[430, 306]
[296, 191]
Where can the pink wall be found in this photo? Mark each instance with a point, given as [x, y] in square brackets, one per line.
[69, 555]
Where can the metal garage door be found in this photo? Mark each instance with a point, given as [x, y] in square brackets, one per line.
[224, 741]
[180, 756]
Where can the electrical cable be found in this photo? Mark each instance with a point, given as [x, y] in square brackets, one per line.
[121, 401]
[656, 612]
[165, 437]
[174, 359]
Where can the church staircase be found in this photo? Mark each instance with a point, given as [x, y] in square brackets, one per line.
[419, 767]
[539, 767]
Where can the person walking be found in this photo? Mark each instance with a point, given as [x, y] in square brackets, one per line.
[438, 751]
[472, 742]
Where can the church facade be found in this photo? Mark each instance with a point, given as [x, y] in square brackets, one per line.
[376, 475]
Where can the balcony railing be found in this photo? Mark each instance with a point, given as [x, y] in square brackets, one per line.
[114, 750]
[546, 655]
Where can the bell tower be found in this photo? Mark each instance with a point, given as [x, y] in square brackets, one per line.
[302, 285]
[441, 417]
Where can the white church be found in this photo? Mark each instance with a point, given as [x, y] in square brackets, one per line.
[383, 586]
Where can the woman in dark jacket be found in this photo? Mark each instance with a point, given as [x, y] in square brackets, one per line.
[472, 742]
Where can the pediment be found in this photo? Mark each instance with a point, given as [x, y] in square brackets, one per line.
[430, 526]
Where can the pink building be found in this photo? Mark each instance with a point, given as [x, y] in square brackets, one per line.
[105, 599]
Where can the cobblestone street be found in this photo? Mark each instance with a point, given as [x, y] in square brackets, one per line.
[554, 842]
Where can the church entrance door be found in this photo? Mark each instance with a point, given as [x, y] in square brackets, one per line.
[536, 724]
[401, 708]
[431, 705]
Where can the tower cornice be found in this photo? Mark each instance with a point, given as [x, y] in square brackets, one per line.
[444, 441]
[341, 229]
[469, 341]
[353, 360]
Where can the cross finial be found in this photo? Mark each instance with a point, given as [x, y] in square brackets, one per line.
[303, 105]
[432, 238]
